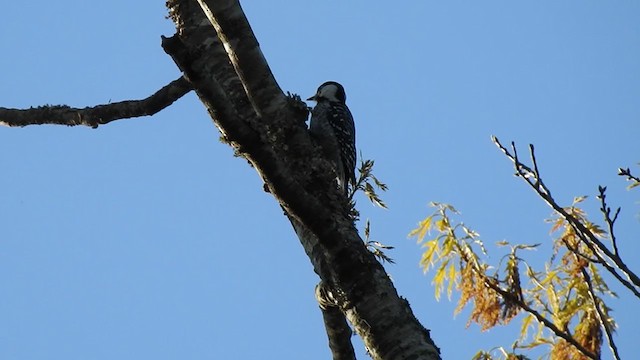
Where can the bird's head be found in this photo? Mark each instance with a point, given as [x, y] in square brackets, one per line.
[330, 91]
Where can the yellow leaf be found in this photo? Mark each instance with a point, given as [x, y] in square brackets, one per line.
[553, 299]
[579, 199]
[551, 276]
[427, 256]
[524, 329]
[442, 224]
[557, 225]
[423, 227]
[452, 278]
[438, 279]
[447, 245]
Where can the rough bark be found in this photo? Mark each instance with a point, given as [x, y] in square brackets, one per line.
[219, 55]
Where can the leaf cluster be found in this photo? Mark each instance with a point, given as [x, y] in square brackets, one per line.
[370, 185]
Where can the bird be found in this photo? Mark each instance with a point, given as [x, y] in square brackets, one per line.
[333, 128]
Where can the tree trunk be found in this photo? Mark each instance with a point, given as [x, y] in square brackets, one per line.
[219, 55]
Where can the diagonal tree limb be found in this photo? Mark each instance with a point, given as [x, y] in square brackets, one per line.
[273, 137]
[96, 115]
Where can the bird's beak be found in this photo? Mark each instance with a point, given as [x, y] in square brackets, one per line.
[313, 98]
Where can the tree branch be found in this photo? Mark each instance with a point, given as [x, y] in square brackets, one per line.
[534, 180]
[96, 115]
[338, 331]
[602, 319]
[606, 212]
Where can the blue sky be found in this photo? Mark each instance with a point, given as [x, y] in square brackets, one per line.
[146, 238]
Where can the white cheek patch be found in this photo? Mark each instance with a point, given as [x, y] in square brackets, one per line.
[329, 92]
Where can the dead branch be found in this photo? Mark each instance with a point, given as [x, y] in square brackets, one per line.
[94, 116]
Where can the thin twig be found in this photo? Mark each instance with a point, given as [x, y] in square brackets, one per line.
[601, 317]
[361, 178]
[626, 172]
[576, 251]
[606, 211]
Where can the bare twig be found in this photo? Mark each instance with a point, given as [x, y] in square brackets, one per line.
[606, 211]
[96, 115]
[630, 177]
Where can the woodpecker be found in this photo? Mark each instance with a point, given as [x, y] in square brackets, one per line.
[332, 126]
